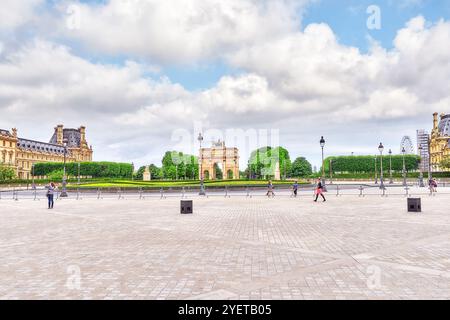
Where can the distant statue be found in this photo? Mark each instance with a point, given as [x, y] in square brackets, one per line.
[147, 176]
[277, 172]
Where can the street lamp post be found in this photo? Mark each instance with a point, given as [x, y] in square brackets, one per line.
[391, 181]
[132, 171]
[322, 145]
[421, 184]
[202, 185]
[64, 181]
[376, 170]
[404, 167]
[381, 149]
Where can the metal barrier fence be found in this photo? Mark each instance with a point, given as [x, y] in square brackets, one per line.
[339, 190]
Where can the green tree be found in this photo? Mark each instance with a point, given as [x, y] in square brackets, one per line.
[56, 175]
[6, 173]
[301, 168]
[176, 164]
[139, 175]
[169, 169]
[192, 167]
[219, 172]
[263, 162]
[154, 171]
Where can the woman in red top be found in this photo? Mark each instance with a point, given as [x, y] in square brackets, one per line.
[319, 190]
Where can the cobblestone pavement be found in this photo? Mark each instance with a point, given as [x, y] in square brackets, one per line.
[238, 248]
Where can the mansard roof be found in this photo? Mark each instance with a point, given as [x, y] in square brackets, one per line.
[73, 137]
[5, 133]
[444, 125]
[31, 145]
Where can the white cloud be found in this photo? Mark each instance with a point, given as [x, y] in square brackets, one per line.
[14, 13]
[318, 73]
[44, 84]
[303, 82]
[181, 31]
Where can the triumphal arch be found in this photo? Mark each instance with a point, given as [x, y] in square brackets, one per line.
[227, 159]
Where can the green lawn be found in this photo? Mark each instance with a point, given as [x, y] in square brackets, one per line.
[167, 184]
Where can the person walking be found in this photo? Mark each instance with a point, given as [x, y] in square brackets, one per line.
[50, 194]
[435, 185]
[319, 190]
[270, 192]
[432, 184]
[295, 189]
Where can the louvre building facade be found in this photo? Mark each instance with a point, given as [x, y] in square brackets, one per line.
[440, 140]
[20, 154]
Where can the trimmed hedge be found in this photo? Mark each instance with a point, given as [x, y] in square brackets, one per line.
[87, 169]
[366, 164]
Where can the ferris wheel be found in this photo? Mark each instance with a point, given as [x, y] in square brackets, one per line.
[407, 144]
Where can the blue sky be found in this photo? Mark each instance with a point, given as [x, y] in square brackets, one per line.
[348, 18]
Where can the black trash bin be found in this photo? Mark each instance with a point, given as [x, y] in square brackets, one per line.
[414, 205]
[187, 207]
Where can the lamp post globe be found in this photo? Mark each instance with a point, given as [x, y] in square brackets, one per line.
[322, 142]
[322, 145]
[381, 149]
[202, 185]
[64, 180]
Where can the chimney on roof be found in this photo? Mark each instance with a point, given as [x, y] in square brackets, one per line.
[59, 134]
[435, 121]
[82, 130]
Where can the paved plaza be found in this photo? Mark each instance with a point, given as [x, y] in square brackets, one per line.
[231, 248]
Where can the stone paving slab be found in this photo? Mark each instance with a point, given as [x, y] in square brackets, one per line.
[235, 248]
